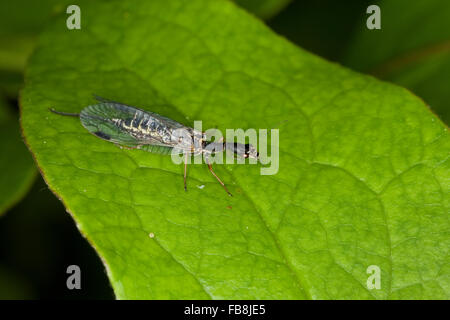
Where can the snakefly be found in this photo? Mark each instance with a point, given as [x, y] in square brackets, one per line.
[133, 128]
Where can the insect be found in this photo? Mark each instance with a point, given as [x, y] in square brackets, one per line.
[133, 128]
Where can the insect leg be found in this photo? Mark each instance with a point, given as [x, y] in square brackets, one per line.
[218, 179]
[185, 170]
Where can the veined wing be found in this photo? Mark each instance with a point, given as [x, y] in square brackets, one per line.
[127, 125]
[171, 123]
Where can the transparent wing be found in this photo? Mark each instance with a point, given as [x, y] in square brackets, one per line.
[123, 124]
[169, 122]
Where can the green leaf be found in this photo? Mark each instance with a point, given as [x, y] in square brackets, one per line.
[363, 177]
[264, 9]
[411, 49]
[16, 164]
[20, 22]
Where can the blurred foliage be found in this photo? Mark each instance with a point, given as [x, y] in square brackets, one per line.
[412, 49]
[321, 26]
[38, 241]
[17, 166]
[20, 23]
[265, 9]
[13, 285]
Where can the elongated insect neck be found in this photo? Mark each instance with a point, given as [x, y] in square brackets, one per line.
[64, 113]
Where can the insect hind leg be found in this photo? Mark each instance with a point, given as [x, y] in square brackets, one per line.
[215, 176]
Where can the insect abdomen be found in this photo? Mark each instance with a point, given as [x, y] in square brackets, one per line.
[141, 126]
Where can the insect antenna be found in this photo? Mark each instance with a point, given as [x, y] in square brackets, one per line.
[64, 113]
